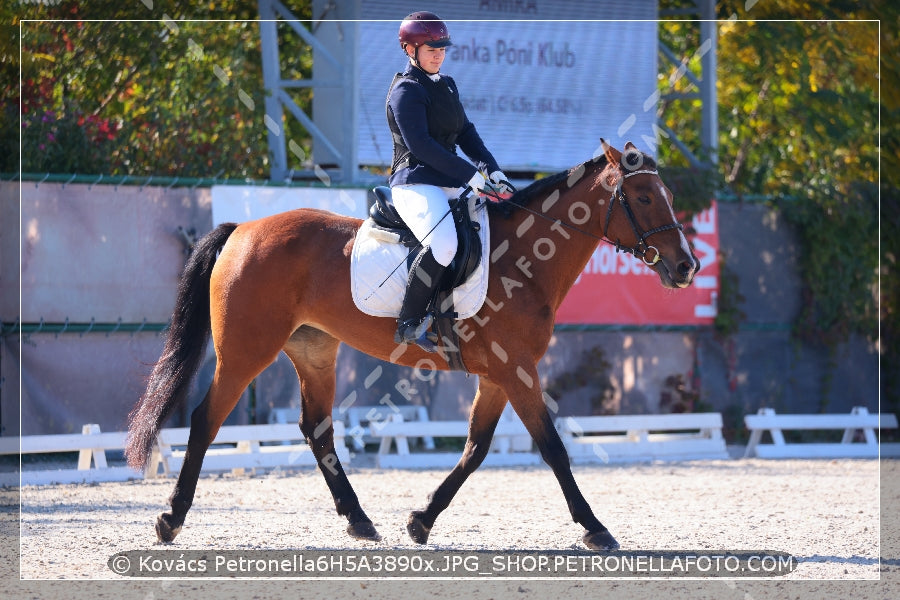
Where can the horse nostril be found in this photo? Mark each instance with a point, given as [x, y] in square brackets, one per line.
[684, 268]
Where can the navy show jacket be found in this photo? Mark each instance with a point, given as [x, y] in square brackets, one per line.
[428, 121]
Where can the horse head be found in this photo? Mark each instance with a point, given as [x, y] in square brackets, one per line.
[640, 218]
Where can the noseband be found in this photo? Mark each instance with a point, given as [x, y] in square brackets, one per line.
[642, 247]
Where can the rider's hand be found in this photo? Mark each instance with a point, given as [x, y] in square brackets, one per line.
[501, 184]
[477, 183]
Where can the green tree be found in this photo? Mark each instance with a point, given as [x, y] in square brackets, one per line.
[798, 118]
[176, 95]
[799, 109]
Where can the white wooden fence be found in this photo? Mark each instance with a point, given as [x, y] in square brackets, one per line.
[614, 438]
[91, 446]
[858, 422]
[235, 447]
[239, 447]
[629, 438]
[505, 449]
[357, 420]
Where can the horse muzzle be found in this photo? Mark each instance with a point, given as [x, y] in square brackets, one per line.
[678, 272]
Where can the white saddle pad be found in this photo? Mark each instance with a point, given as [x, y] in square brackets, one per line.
[378, 292]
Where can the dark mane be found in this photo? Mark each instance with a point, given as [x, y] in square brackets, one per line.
[543, 187]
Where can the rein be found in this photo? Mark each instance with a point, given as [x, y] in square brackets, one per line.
[641, 249]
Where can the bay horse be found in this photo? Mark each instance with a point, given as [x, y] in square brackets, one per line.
[282, 284]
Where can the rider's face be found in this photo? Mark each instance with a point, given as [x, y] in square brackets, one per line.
[430, 59]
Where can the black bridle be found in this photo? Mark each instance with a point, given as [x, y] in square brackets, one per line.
[641, 248]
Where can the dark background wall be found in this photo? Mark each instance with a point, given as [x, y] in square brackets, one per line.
[766, 366]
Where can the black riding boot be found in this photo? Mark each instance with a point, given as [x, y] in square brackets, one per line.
[415, 320]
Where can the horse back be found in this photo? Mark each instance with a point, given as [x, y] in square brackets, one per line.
[303, 232]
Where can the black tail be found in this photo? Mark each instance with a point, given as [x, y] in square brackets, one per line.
[183, 352]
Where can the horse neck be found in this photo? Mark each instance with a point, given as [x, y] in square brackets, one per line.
[558, 232]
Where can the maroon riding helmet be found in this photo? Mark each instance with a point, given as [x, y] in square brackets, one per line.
[424, 27]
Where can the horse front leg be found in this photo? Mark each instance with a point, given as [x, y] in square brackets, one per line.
[486, 411]
[314, 354]
[527, 399]
[319, 433]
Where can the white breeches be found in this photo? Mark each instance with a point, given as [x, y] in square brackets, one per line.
[423, 208]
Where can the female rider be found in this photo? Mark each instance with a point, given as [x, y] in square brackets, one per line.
[427, 123]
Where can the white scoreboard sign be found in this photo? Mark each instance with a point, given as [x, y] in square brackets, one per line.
[542, 81]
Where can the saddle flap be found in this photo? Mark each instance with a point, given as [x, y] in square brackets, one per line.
[468, 248]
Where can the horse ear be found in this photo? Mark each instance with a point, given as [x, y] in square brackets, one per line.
[630, 146]
[612, 155]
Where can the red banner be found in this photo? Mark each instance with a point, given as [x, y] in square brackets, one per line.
[618, 288]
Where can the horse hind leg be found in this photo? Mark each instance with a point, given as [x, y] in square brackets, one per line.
[221, 398]
[243, 350]
[314, 354]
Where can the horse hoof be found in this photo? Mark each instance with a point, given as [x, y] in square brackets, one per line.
[363, 530]
[600, 540]
[165, 531]
[418, 531]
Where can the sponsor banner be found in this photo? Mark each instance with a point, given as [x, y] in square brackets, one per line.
[619, 289]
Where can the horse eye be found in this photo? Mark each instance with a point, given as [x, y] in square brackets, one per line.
[644, 199]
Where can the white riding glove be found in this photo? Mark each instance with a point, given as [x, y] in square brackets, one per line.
[477, 183]
[501, 184]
